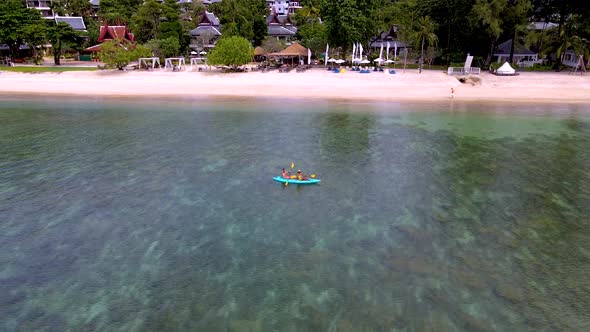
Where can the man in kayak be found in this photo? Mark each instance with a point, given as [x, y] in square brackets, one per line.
[300, 176]
[285, 174]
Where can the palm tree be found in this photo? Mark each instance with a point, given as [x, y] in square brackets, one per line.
[424, 34]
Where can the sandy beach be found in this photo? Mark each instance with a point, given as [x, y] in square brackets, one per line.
[529, 87]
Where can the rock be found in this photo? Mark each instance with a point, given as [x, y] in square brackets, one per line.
[509, 292]
[471, 323]
[412, 265]
[245, 326]
[414, 233]
[469, 279]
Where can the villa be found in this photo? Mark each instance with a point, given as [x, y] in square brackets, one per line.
[283, 7]
[281, 27]
[111, 32]
[206, 34]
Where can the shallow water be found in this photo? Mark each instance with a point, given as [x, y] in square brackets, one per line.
[162, 216]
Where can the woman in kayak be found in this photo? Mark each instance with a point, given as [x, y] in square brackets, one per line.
[300, 176]
[285, 174]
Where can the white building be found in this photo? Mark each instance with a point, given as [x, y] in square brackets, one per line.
[283, 7]
[44, 6]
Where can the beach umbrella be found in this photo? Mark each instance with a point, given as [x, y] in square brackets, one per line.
[389, 61]
[193, 53]
[331, 60]
[339, 61]
[365, 61]
[378, 60]
[202, 53]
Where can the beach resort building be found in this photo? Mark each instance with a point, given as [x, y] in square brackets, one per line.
[76, 22]
[283, 7]
[44, 6]
[391, 37]
[281, 27]
[206, 34]
[111, 32]
[523, 56]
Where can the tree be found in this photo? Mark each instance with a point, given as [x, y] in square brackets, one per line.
[146, 21]
[424, 35]
[118, 54]
[35, 35]
[63, 36]
[243, 18]
[272, 45]
[347, 21]
[232, 52]
[113, 10]
[17, 23]
[164, 48]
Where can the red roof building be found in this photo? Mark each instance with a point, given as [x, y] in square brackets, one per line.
[112, 32]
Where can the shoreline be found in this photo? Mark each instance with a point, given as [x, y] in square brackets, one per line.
[314, 85]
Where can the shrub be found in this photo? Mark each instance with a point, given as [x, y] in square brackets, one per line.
[118, 54]
[232, 52]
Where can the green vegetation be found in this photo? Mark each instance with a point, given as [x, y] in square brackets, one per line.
[42, 69]
[232, 52]
[118, 55]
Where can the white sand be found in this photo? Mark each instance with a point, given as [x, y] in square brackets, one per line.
[409, 86]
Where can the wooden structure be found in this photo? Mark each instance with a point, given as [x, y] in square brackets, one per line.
[111, 32]
[294, 51]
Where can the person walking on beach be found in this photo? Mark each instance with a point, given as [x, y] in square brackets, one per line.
[452, 93]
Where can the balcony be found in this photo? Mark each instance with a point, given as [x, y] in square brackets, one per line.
[41, 5]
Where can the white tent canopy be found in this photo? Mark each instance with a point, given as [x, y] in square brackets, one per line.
[171, 62]
[149, 63]
[506, 69]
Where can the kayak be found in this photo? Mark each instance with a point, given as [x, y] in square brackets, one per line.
[283, 180]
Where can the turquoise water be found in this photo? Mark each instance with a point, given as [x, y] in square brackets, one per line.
[161, 216]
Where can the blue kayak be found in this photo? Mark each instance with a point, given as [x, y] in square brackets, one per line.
[283, 180]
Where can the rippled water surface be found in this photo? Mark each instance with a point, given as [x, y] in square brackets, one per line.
[120, 216]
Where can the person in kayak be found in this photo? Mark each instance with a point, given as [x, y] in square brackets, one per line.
[300, 176]
[285, 174]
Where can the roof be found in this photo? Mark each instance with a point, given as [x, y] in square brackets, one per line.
[279, 30]
[209, 18]
[110, 32]
[205, 30]
[95, 48]
[377, 44]
[294, 49]
[259, 51]
[77, 23]
[541, 25]
[504, 49]
[389, 34]
[273, 19]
